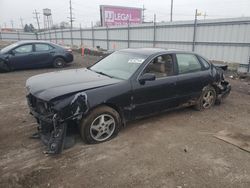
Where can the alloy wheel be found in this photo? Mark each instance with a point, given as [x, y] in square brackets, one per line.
[208, 99]
[102, 127]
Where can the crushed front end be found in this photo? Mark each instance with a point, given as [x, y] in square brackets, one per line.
[54, 117]
[222, 86]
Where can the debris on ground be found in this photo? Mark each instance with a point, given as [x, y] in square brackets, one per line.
[241, 140]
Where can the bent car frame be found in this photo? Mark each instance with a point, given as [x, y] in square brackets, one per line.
[126, 85]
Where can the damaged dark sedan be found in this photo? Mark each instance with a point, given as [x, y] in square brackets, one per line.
[34, 54]
[126, 85]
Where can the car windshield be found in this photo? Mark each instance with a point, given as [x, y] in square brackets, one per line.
[7, 48]
[119, 65]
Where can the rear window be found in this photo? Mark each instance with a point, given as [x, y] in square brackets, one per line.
[42, 47]
[187, 63]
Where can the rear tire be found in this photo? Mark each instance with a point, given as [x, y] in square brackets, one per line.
[102, 124]
[207, 98]
[58, 62]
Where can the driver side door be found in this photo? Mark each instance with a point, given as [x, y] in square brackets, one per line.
[157, 95]
[22, 57]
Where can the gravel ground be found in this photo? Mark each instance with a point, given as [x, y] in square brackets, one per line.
[174, 149]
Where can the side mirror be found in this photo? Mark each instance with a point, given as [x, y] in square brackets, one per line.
[146, 77]
[11, 52]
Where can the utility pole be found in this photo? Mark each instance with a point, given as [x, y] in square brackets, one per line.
[12, 24]
[71, 19]
[154, 37]
[195, 26]
[21, 20]
[171, 13]
[143, 14]
[37, 19]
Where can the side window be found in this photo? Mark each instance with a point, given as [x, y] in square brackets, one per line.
[42, 47]
[161, 66]
[187, 63]
[24, 49]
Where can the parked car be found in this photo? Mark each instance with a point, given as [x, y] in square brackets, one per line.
[34, 54]
[126, 85]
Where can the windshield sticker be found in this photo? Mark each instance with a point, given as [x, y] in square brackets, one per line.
[136, 61]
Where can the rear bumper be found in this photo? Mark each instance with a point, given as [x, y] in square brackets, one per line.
[69, 57]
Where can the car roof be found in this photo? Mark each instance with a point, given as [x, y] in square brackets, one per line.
[32, 41]
[152, 51]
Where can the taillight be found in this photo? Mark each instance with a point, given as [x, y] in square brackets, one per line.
[68, 50]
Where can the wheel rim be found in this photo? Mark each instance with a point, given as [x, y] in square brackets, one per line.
[102, 127]
[208, 99]
[59, 63]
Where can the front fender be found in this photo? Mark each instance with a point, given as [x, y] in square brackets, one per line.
[72, 107]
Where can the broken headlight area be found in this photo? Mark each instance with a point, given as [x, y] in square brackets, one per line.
[223, 90]
[56, 118]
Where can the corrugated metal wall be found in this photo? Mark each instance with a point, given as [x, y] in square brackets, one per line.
[14, 36]
[221, 39]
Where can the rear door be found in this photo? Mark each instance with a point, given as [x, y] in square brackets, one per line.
[159, 94]
[43, 54]
[191, 77]
[22, 56]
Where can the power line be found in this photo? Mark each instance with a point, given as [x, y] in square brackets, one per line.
[37, 19]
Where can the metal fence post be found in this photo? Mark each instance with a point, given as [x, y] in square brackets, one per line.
[18, 35]
[49, 35]
[56, 35]
[107, 36]
[81, 35]
[194, 34]
[248, 68]
[93, 35]
[1, 38]
[62, 36]
[154, 37]
[71, 37]
[128, 33]
[37, 35]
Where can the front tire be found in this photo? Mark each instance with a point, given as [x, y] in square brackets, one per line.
[102, 124]
[207, 98]
[5, 67]
[58, 62]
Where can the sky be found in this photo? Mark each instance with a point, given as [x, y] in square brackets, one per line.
[87, 11]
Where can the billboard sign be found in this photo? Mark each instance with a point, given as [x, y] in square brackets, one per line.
[116, 15]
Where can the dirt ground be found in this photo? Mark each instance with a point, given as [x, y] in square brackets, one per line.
[174, 149]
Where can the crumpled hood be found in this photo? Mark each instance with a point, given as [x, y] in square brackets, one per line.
[54, 84]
